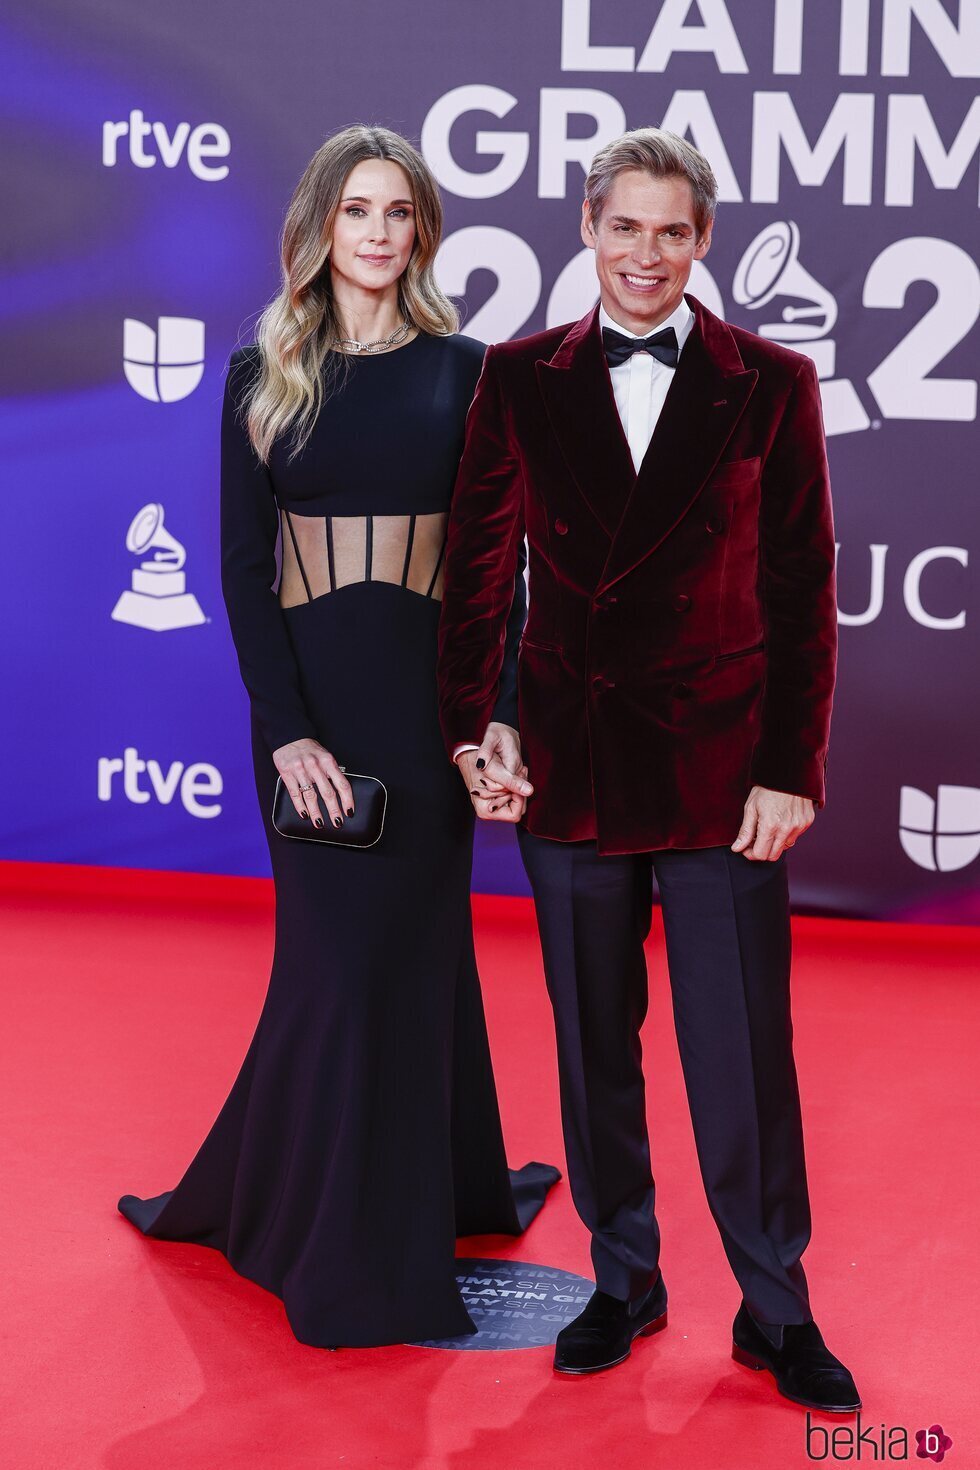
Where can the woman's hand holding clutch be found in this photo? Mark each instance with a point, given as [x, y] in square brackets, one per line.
[309, 771]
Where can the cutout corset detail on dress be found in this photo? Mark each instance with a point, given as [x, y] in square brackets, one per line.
[321, 554]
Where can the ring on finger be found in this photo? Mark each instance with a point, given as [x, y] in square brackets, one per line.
[307, 788]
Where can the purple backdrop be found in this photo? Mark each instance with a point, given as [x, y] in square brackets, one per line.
[148, 157]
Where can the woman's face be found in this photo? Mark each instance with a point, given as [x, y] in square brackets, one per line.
[374, 227]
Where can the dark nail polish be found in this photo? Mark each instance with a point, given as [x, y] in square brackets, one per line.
[482, 782]
[474, 792]
[350, 811]
[480, 763]
[338, 821]
[304, 814]
[318, 821]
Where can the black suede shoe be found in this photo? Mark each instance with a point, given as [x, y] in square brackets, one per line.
[804, 1368]
[602, 1335]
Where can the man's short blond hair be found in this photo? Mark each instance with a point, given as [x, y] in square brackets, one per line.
[662, 154]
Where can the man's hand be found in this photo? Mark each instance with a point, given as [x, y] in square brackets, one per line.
[772, 823]
[496, 776]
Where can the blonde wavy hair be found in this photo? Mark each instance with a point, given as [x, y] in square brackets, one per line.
[298, 368]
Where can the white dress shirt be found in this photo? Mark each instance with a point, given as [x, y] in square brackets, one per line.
[640, 383]
[640, 386]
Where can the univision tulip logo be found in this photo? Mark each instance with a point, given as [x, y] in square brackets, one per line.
[166, 364]
[942, 834]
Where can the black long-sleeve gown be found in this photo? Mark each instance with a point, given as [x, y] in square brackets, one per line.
[362, 1134]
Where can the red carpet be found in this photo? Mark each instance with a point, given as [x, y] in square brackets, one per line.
[129, 1002]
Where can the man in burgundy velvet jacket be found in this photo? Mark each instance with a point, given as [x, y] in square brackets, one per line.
[675, 684]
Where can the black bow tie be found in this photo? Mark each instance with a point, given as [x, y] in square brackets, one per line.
[662, 346]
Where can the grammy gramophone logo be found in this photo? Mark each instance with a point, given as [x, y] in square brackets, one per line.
[158, 598]
[770, 268]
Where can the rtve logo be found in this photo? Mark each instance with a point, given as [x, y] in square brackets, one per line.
[940, 835]
[207, 140]
[167, 364]
[193, 782]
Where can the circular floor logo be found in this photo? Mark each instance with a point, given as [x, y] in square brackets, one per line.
[514, 1304]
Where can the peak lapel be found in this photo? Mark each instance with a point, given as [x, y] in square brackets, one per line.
[705, 401]
[578, 397]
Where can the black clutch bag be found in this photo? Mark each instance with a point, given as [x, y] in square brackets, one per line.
[363, 829]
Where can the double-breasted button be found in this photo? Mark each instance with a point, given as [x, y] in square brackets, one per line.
[715, 525]
[561, 527]
[683, 691]
[681, 602]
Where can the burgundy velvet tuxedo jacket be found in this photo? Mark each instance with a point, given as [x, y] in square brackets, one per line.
[681, 637]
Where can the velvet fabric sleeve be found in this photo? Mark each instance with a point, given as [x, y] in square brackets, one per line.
[797, 554]
[249, 531]
[483, 605]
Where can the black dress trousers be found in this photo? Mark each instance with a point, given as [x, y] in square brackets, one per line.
[727, 928]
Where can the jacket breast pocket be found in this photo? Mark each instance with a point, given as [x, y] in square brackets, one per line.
[736, 471]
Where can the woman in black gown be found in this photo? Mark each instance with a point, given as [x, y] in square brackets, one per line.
[362, 1134]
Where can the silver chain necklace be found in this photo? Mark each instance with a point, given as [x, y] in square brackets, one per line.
[351, 344]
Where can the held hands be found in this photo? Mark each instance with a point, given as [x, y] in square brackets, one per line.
[772, 823]
[306, 763]
[498, 787]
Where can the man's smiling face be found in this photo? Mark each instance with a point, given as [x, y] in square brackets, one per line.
[645, 242]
